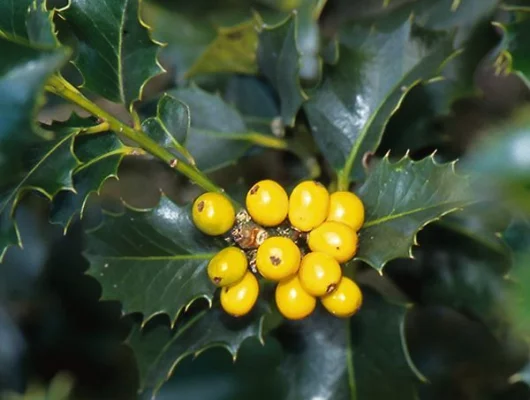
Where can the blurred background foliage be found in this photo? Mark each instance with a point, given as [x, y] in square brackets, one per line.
[469, 280]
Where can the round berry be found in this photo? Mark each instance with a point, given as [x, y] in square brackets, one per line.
[345, 300]
[308, 205]
[228, 266]
[319, 273]
[277, 258]
[292, 300]
[213, 214]
[335, 239]
[238, 299]
[267, 203]
[347, 208]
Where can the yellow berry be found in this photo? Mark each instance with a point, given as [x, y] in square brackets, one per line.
[213, 214]
[292, 300]
[278, 258]
[228, 266]
[335, 239]
[267, 203]
[347, 208]
[345, 300]
[308, 205]
[238, 299]
[319, 273]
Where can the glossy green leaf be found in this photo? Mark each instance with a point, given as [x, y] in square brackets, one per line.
[278, 59]
[116, 56]
[449, 14]
[378, 65]
[308, 38]
[453, 269]
[400, 199]
[101, 155]
[170, 126]
[216, 137]
[203, 26]
[158, 351]
[39, 24]
[255, 100]
[153, 261]
[213, 374]
[363, 357]
[416, 124]
[28, 20]
[30, 158]
[13, 18]
[479, 225]
[232, 51]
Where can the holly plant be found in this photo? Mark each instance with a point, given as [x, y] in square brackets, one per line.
[321, 145]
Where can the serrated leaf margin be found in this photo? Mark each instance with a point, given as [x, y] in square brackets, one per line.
[405, 158]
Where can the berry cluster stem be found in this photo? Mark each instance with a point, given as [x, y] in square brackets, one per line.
[61, 87]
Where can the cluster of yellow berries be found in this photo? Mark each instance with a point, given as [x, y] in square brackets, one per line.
[298, 241]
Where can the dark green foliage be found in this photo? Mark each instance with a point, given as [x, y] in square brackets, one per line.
[374, 97]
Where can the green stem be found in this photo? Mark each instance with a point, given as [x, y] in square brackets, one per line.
[103, 127]
[63, 88]
[266, 140]
[343, 179]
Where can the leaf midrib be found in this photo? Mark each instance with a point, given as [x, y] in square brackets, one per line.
[391, 217]
[120, 45]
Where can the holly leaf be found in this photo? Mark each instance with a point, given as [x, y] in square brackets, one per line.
[452, 269]
[170, 126]
[478, 225]
[327, 357]
[378, 65]
[218, 134]
[513, 56]
[158, 351]
[253, 376]
[158, 250]
[116, 56]
[278, 60]
[30, 158]
[40, 25]
[101, 156]
[232, 51]
[13, 18]
[447, 14]
[400, 199]
[255, 100]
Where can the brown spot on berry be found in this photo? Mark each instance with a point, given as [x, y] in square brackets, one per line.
[200, 206]
[338, 248]
[331, 288]
[217, 280]
[254, 189]
[275, 260]
[318, 184]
